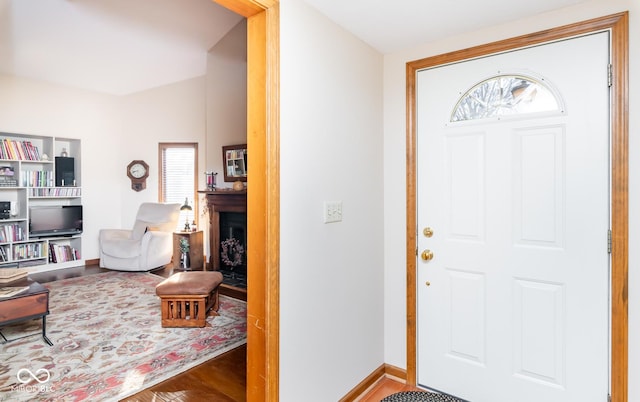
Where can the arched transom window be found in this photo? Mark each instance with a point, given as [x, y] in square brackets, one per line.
[504, 95]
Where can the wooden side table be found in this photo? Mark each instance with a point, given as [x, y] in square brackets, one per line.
[196, 251]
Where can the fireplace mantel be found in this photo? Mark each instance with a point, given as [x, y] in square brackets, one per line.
[221, 201]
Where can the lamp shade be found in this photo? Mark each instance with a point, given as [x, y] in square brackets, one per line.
[186, 206]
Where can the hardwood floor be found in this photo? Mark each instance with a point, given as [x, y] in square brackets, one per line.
[220, 379]
[385, 387]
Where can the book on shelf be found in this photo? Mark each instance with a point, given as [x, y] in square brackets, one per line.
[11, 233]
[18, 150]
[3, 255]
[28, 250]
[9, 291]
[54, 192]
[62, 253]
[7, 177]
[37, 178]
[8, 182]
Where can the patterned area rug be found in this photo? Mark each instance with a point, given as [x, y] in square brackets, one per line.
[419, 396]
[108, 342]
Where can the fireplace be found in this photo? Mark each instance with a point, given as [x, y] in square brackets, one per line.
[233, 242]
[228, 228]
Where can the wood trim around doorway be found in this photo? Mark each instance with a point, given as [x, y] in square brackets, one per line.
[618, 25]
[263, 206]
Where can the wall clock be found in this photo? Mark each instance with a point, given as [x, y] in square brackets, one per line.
[138, 171]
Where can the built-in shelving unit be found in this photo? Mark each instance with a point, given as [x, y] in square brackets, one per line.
[28, 179]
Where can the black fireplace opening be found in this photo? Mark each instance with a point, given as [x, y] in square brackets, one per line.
[233, 248]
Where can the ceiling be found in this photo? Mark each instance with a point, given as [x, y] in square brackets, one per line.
[392, 25]
[124, 46]
[111, 46]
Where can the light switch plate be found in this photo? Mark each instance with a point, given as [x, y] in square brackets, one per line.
[332, 211]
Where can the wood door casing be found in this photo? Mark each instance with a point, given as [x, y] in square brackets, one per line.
[263, 205]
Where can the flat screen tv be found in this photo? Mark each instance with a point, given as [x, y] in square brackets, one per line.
[52, 221]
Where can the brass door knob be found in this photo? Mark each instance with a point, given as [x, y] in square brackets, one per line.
[427, 255]
[427, 232]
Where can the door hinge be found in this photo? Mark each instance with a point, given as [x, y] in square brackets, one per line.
[609, 241]
[608, 397]
[610, 75]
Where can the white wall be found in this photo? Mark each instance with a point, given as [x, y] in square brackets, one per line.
[30, 107]
[226, 97]
[394, 163]
[331, 317]
[171, 113]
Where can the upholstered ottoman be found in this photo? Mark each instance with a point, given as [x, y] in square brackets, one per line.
[187, 298]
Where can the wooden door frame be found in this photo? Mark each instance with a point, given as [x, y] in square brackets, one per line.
[618, 25]
[263, 195]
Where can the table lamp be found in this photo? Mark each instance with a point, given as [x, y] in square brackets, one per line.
[186, 207]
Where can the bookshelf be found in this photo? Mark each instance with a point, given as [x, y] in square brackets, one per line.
[27, 179]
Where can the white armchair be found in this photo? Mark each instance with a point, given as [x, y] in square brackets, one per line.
[147, 246]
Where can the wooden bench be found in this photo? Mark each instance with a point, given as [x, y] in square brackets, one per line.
[188, 298]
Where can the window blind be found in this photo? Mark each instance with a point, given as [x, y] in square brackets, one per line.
[178, 178]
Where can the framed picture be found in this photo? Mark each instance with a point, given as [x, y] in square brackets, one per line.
[235, 162]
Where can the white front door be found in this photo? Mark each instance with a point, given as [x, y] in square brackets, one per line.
[513, 306]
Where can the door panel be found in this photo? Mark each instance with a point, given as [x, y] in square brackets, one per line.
[514, 304]
[468, 319]
[539, 331]
[465, 186]
[538, 196]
